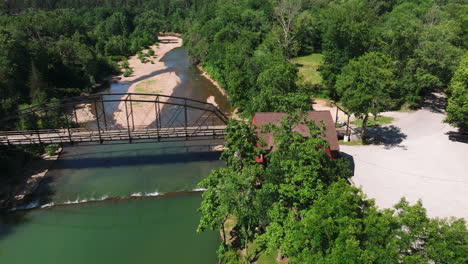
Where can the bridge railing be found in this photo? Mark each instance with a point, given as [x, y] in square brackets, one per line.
[109, 116]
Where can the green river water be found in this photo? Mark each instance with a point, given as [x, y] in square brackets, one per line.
[153, 217]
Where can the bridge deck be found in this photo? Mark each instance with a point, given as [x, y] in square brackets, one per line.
[76, 135]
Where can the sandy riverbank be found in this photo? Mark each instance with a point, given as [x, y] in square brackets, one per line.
[152, 77]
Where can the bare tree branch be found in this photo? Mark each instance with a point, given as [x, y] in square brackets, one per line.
[286, 13]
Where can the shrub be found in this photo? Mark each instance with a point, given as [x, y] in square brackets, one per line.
[125, 64]
[128, 72]
[51, 149]
[142, 57]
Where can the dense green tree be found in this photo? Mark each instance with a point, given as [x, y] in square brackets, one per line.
[256, 198]
[331, 230]
[307, 33]
[117, 45]
[347, 33]
[447, 241]
[299, 165]
[366, 86]
[457, 108]
[277, 91]
[231, 191]
[343, 226]
[425, 43]
[298, 171]
[9, 97]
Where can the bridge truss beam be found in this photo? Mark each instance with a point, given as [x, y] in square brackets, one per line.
[98, 118]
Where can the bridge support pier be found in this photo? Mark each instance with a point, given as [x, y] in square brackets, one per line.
[38, 136]
[128, 123]
[97, 121]
[185, 119]
[157, 116]
[103, 112]
[68, 128]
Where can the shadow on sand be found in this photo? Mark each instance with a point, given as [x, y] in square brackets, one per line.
[168, 41]
[458, 136]
[435, 101]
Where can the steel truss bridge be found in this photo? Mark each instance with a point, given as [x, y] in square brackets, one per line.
[118, 118]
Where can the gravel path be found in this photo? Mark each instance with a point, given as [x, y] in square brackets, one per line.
[417, 160]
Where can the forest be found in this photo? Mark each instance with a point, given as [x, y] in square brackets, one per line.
[62, 48]
[378, 55]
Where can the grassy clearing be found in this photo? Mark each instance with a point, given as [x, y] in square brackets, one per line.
[308, 66]
[265, 258]
[381, 120]
[351, 143]
[145, 86]
[406, 109]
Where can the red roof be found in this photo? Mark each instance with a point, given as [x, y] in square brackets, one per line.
[263, 118]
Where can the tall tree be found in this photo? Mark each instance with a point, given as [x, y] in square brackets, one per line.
[366, 86]
[457, 108]
[37, 85]
[231, 191]
[286, 13]
[278, 91]
[298, 172]
[347, 34]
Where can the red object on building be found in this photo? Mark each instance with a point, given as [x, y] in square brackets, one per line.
[264, 118]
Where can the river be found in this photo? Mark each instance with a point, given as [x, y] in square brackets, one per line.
[121, 203]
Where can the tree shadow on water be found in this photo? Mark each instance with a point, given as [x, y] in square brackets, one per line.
[18, 213]
[389, 136]
[141, 160]
[10, 221]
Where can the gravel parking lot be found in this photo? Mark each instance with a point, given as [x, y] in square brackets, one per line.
[416, 160]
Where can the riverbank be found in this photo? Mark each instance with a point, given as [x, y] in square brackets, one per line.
[213, 81]
[211, 99]
[30, 178]
[150, 77]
